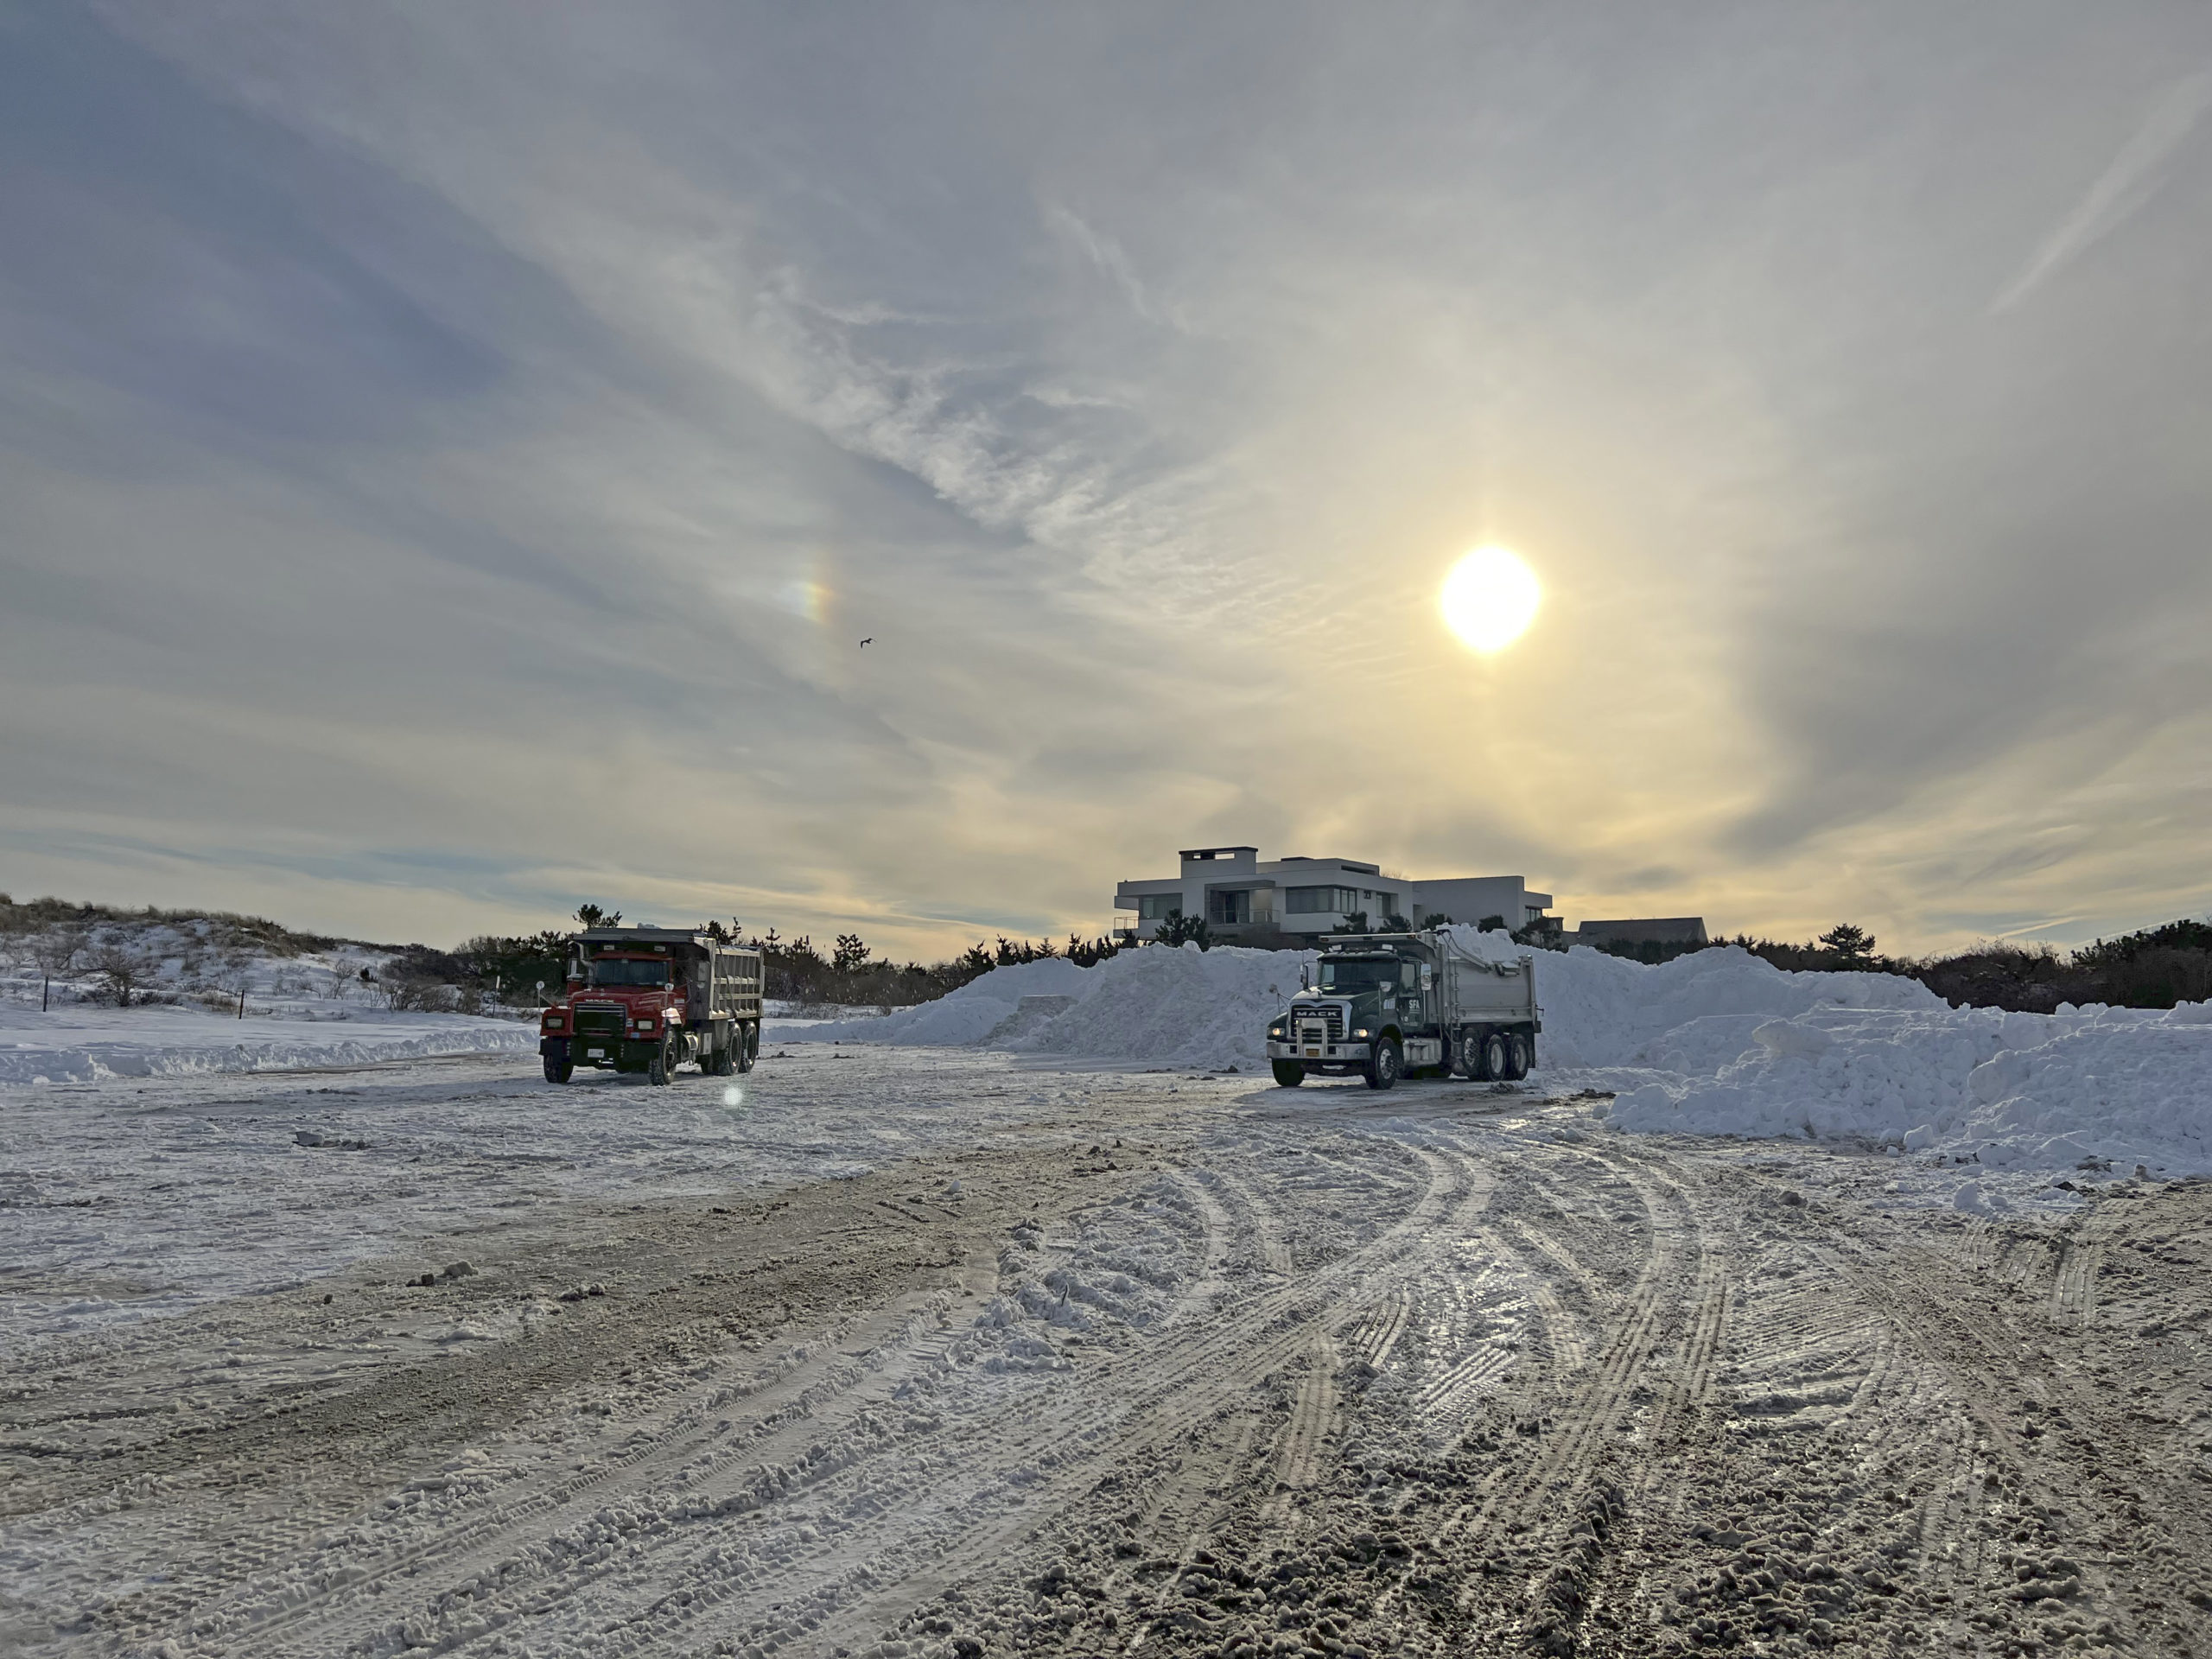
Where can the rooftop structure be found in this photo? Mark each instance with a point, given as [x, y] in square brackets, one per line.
[1243, 898]
[1649, 930]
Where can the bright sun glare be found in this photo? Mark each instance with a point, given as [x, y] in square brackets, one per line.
[1490, 598]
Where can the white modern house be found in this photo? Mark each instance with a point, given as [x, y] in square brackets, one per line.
[1239, 895]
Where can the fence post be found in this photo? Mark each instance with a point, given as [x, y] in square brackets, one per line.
[241, 1001]
[45, 990]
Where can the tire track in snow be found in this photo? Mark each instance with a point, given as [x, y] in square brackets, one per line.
[1313, 1412]
[932, 1527]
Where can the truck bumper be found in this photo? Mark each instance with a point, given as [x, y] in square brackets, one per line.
[1320, 1053]
[604, 1053]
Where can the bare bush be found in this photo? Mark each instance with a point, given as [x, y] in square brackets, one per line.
[58, 948]
[414, 995]
[123, 971]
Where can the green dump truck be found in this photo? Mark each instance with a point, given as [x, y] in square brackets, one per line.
[1386, 1005]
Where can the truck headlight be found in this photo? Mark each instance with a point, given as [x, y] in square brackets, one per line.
[1361, 1032]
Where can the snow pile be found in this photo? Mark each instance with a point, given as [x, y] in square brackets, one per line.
[1182, 1007]
[1716, 1042]
[1693, 1014]
[2097, 1086]
[84, 1044]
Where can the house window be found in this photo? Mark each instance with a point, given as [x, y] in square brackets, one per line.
[1230, 906]
[1313, 902]
[1157, 906]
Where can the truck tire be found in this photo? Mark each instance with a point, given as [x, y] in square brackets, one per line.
[1517, 1057]
[1468, 1050]
[558, 1070]
[1388, 1066]
[657, 1067]
[1497, 1059]
[1289, 1073]
[726, 1056]
[747, 1038]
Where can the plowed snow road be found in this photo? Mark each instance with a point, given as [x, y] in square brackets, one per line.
[1089, 1363]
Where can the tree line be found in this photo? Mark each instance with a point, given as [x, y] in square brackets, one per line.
[849, 974]
[2154, 967]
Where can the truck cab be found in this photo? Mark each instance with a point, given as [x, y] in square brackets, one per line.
[1382, 1006]
[644, 999]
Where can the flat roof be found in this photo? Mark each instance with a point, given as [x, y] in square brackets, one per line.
[1215, 852]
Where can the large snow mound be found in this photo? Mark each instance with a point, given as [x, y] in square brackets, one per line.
[86, 1045]
[2097, 1086]
[1717, 1042]
[1183, 1007]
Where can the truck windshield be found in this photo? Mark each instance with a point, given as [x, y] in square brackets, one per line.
[617, 970]
[1356, 976]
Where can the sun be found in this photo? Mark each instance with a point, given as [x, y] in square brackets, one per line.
[1491, 598]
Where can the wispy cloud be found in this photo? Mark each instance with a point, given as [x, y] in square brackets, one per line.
[1104, 252]
[2121, 191]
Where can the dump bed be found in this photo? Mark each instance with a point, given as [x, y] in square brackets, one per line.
[725, 983]
[1475, 991]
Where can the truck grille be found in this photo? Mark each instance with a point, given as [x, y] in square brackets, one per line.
[1328, 1019]
[599, 1022]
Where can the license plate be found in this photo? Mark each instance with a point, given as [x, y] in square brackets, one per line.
[1312, 1053]
[595, 1053]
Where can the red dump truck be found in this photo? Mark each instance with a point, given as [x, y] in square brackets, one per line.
[649, 999]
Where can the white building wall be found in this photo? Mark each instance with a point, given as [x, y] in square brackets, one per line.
[1475, 898]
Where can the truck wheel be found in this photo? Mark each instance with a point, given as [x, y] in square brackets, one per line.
[1517, 1059]
[725, 1060]
[1388, 1066]
[1289, 1073]
[1497, 1059]
[747, 1040]
[558, 1070]
[1469, 1051]
[657, 1067]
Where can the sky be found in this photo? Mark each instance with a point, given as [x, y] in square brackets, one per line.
[449, 458]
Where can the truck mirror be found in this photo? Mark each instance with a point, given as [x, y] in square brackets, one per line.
[1304, 983]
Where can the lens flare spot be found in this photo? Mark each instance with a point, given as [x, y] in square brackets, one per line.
[733, 1096]
[1490, 598]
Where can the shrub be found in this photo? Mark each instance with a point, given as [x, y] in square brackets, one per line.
[1178, 929]
[414, 994]
[122, 971]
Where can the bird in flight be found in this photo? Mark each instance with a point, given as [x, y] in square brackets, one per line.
[869, 640]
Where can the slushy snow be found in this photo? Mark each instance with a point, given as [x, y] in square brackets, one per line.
[1717, 1042]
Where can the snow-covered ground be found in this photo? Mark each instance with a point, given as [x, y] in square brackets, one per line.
[124, 1198]
[1714, 1042]
[942, 1351]
[85, 1043]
